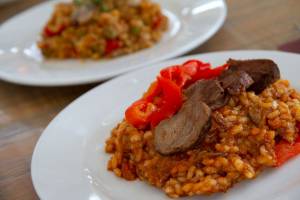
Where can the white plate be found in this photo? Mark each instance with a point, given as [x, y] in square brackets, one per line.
[192, 22]
[69, 161]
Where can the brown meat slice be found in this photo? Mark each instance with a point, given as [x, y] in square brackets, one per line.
[235, 82]
[263, 72]
[183, 130]
[208, 91]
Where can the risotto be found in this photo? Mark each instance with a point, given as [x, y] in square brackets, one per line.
[102, 29]
[234, 149]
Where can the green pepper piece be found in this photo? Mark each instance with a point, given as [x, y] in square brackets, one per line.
[110, 33]
[103, 7]
[77, 2]
[135, 30]
[97, 2]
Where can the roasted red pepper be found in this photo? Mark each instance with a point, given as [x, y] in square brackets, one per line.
[153, 91]
[50, 31]
[209, 73]
[175, 74]
[157, 21]
[215, 72]
[192, 67]
[138, 114]
[112, 45]
[285, 150]
[171, 101]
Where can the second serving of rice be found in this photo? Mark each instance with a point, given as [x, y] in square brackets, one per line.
[235, 148]
[114, 28]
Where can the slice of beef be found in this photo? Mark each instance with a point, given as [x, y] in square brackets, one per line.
[263, 72]
[208, 91]
[235, 82]
[182, 131]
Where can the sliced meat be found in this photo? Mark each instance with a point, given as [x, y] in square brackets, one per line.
[235, 82]
[208, 91]
[183, 130]
[263, 72]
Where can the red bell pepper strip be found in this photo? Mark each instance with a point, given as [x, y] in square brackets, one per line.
[190, 72]
[112, 45]
[50, 31]
[285, 150]
[192, 67]
[153, 91]
[157, 22]
[175, 74]
[210, 73]
[215, 72]
[138, 114]
[171, 101]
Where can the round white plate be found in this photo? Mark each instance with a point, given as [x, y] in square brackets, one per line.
[69, 161]
[192, 22]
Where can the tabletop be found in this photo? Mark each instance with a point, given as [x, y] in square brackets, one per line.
[26, 111]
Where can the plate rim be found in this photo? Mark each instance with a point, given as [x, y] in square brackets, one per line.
[8, 77]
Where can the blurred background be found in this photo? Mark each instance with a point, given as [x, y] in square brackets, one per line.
[26, 111]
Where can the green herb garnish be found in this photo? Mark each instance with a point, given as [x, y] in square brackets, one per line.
[104, 8]
[110, 32]
[135, 30]
[97, 2]
[77, 2]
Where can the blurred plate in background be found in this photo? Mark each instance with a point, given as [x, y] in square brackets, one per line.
[192, 22]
